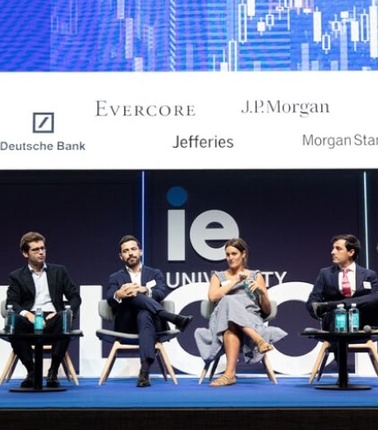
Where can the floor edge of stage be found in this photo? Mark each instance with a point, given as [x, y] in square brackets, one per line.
[185, 419]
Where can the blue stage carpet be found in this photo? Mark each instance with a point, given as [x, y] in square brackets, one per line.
[247, 393]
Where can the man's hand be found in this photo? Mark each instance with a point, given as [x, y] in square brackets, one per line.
[50, 315]
[129, 290]
[30, 317]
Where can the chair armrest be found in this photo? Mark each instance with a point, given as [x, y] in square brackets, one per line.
[207, 308]
[3, 308]
[273, 311]
[105, 311]
[169, 305]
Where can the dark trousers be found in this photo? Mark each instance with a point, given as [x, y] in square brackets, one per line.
[24, 350]
[140, 315]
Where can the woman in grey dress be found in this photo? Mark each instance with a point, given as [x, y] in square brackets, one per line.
[242, 301]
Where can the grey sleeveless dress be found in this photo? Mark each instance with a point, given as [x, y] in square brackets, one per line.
[241, 308]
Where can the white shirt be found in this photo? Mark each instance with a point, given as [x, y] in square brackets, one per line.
[136, 277]
[42, 292]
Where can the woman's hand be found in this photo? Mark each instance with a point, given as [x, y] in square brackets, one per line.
[242, 276]
[257, 286]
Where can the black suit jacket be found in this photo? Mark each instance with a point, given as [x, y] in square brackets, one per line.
[21, 291]
[127, 310]
[326, 287]
[159, 289]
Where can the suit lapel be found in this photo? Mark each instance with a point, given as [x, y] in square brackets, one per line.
[50, 273]
[335, 277]
[28, 280]
[143, 276]
[126, 276]
[359, 278]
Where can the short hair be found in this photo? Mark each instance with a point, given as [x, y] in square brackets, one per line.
[351, 242]
[127, 238]
[239, 244]
[27, 238]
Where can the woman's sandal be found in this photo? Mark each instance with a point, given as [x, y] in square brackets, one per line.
[223, 381]
[263, 346]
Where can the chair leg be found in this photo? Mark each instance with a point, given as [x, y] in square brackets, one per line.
[214, 367]
[204, 371]
[269, 369]
[109, 363]
[9, 367]
[161, 365]
[322, 365]
[69, 369]
[166, 361]
[319, 361]
[373, 354]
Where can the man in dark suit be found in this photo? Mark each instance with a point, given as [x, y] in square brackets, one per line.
[45, 286]
[135, 293]
[329, 288]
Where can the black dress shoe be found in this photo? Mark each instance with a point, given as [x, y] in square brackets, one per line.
[182, 322]
[321, 308]
[28, 382]
[52, 380]
[143, 379]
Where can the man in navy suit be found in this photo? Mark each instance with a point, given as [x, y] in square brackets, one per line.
[135, 293]
[45, 286]
[328, 292]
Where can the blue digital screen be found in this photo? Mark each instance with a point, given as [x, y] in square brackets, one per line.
[188, 35]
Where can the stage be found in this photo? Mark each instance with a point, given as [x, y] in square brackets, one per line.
[254, 402]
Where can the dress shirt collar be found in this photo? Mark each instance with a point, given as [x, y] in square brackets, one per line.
[33, 272]
[351, 267]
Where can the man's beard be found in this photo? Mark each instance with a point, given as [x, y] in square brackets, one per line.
[132, 262]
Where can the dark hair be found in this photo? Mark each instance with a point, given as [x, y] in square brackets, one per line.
[239, 244]
[351, 242]
[31, 236]
[127, 238]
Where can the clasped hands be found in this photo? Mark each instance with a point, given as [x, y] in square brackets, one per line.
[31, 317]
[130, 290]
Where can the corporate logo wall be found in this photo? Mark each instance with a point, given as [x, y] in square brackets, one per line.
[129, 35]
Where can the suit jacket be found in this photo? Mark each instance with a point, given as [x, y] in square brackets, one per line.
[149, 275]
[127, 310]
[21, 291]
[326, 287]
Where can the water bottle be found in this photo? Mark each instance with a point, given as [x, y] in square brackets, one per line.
[10, 320]
[39, 322]
[354, 318]
[67, 319]
[341, 321]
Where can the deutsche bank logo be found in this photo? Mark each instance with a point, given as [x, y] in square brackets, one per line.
[43, 122]
[209, 226]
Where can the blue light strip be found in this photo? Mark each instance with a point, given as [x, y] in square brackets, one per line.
[143, 209]
[366, 221]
